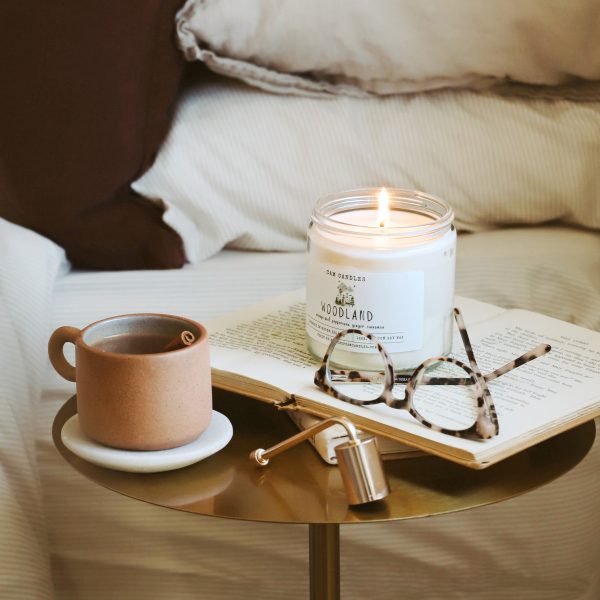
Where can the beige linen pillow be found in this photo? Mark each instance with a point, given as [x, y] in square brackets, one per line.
[243, 168]
[393, 46]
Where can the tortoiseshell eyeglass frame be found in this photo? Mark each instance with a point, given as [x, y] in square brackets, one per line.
[486, 424]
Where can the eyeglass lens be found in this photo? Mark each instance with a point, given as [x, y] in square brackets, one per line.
[356, 368]
[447, 405]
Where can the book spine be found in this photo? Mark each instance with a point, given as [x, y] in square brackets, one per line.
[325, 441]
[320, 441]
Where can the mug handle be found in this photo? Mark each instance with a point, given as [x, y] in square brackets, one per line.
[55, 350]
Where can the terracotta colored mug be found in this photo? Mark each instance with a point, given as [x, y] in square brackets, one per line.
[131, 393]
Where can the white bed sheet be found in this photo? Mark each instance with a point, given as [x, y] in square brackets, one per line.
[544, 545]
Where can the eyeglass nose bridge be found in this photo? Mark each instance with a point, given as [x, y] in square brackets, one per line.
[418, 374]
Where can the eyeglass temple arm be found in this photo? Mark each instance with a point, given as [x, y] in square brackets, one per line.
[262, 456]
[509, 366]
[462, 329]
[519, 361]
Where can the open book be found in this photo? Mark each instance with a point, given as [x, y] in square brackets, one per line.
[261, 352]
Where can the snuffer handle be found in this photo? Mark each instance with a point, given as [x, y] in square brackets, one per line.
[262, 456]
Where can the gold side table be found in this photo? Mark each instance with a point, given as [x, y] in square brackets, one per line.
[299, 488]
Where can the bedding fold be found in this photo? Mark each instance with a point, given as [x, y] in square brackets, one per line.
[29, 265]
[396, 46]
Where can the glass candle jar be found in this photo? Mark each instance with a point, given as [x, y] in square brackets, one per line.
[382, 261]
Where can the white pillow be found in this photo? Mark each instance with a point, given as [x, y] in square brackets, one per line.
[246, 166]
[393, 46]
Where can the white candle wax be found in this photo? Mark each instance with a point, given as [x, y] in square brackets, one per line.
[367, 217]
[395, 281]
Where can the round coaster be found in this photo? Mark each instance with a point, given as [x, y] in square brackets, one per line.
[215, 437]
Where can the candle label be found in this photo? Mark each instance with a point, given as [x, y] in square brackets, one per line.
[389, 305]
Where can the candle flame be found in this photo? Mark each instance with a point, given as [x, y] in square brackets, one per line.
[383, 212]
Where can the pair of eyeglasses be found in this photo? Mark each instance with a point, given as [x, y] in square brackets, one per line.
[463, 409]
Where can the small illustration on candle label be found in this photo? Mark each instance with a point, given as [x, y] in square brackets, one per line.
[345, 296]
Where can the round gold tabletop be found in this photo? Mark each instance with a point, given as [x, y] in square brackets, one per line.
[298, 487]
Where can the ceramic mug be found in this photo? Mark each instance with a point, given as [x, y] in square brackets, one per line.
[131, 392]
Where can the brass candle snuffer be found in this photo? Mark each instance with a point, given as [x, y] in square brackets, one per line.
[359, 460]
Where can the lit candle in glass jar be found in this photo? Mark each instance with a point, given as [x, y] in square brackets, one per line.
[382, 261]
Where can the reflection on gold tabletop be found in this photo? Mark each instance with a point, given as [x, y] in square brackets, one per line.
[299, 487]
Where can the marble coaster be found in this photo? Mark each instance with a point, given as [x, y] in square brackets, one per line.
[215, 437]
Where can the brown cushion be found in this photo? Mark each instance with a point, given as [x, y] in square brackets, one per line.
[87, 92]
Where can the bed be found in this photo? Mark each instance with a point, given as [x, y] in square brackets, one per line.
[542, 545]
[236, 177]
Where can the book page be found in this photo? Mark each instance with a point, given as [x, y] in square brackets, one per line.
[265, 342]
[278, 335]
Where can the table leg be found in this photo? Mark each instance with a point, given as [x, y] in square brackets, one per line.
[324, 559]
